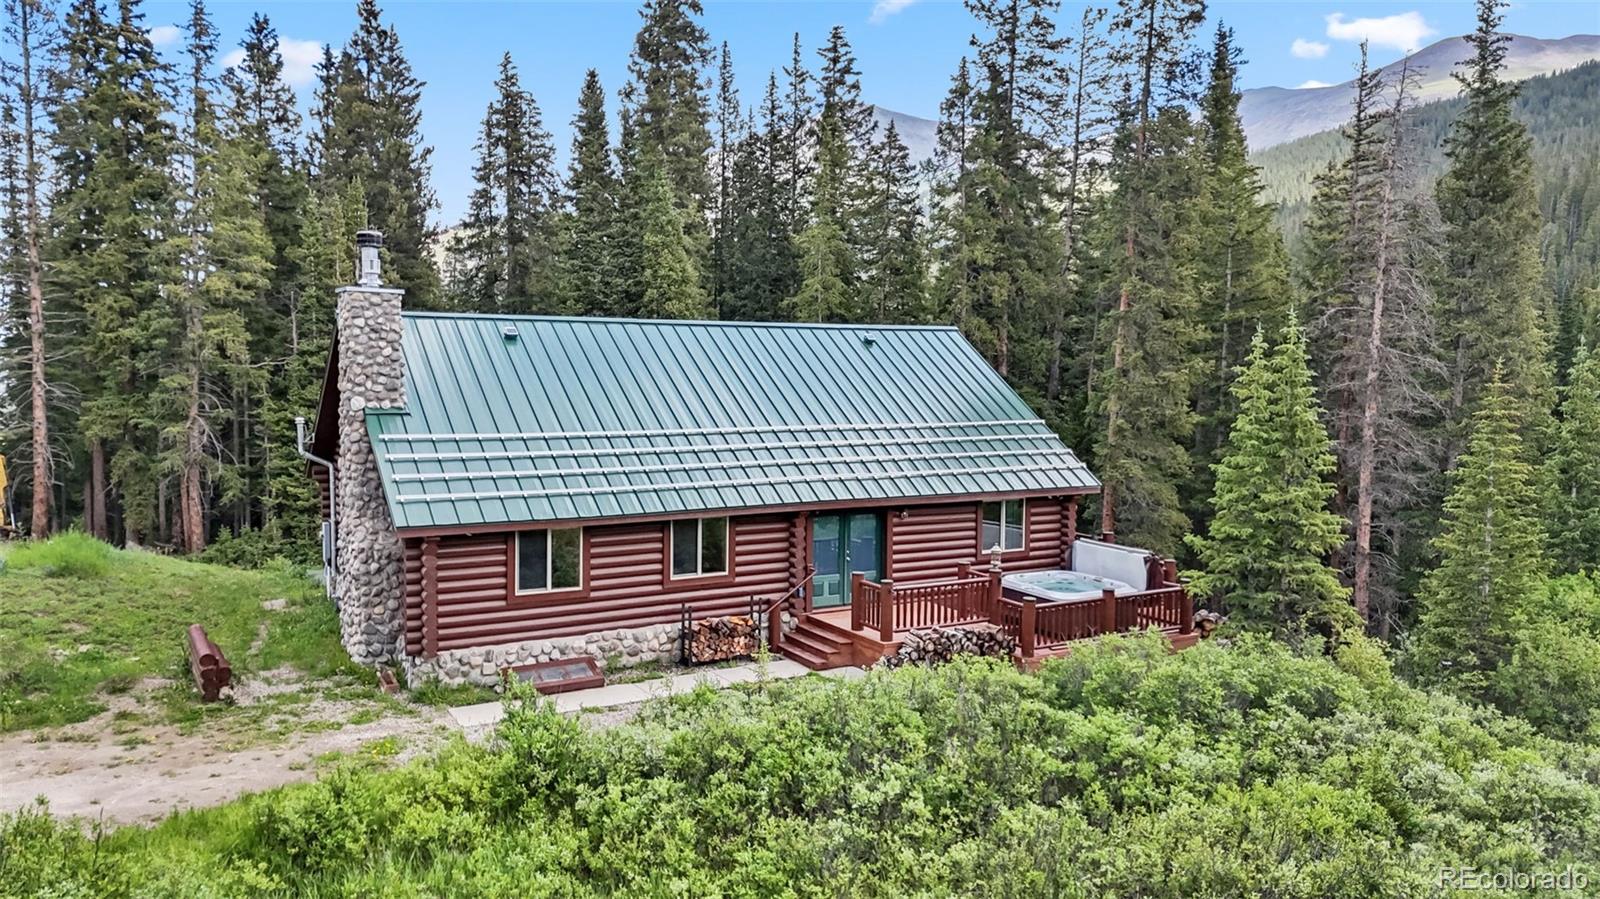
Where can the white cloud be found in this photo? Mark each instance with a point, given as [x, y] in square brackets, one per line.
[300, 60]
[1304, 49]
[1402, 31]
[162, 35]
[883, 9]
[1312, 83]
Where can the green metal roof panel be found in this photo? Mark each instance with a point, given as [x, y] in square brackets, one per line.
[582, 418]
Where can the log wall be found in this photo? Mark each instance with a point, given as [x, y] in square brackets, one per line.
[626, 583]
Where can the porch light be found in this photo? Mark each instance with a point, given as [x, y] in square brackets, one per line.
[994, 556]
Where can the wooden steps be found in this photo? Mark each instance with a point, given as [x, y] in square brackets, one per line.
[817, 644]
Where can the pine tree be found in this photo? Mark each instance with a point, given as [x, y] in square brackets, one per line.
[793, 141]
[263, 118]
[730, 125]
[894, 273]
[667, 99]
[504, 256]
[1491, 562]
[589, 280]
[762, 257]
[323, 260]
[225, 257]
[31, 31]
[1241, 270]
[827, 291]
[1147, 370]
[1574, 507]
[1267, 551]
[956, 246]
[670, 277]
[1490, 310]
[112, 216]
[369, 113]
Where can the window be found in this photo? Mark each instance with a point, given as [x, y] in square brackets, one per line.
[699, 546]
[1002, 524]
[549, 560]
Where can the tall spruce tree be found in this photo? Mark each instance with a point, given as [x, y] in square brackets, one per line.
[1574, 507]
[224, 257]
[764, 268]
[1491, 552]
[31, 31]
[667, 98]
[670, 277]
[730, 129]
[112, 219]
[827, 290]
[370, 117]
[956, 246]
[504, 257]
[1148, 359]
[589, 277]
[1490, 291]
[794, 140]
[1266, 556]
[894, 286]
[1241, 269]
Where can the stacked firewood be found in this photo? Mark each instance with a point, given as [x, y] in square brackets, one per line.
[715, 639]
[937, 645]
[1207, 622]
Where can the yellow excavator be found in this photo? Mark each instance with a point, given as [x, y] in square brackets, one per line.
[5, 501]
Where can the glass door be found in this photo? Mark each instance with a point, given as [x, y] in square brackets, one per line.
[841, 544]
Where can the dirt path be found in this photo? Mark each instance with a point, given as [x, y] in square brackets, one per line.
[104, 768]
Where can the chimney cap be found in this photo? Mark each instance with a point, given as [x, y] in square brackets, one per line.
[369, 238]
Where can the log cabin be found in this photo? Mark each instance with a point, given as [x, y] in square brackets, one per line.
[502, 491]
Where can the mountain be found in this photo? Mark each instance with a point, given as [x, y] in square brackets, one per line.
[919, 135]
[1277, 115]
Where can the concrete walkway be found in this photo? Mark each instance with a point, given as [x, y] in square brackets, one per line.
[486, 714]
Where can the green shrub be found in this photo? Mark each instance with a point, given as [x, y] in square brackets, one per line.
[252, 548]
[72, 554]
[1221, 771]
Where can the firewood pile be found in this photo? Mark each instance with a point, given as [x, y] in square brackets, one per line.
[938, 645]
[716, 639]
[1207, 622]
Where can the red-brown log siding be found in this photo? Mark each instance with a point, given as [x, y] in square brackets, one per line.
[626, 583]
[926, 543]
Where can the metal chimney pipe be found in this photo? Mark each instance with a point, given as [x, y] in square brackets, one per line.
[369, 268]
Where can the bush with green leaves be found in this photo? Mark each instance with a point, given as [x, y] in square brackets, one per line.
[1221, 771]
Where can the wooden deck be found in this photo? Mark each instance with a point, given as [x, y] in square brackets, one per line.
[879, 615]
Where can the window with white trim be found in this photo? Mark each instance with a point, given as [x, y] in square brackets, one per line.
[699, 547]
[549, 560]
[1002, 525]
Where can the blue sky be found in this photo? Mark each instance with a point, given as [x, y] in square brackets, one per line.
[906, 49]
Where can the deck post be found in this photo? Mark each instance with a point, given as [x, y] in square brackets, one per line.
[856, 601]
[1185, 611]
[1169, 570]
[1108, 611]
[886, 610]
[995, 616]
[775, 625]
[1030, 617]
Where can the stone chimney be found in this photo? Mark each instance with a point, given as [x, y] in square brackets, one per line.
[371, 376]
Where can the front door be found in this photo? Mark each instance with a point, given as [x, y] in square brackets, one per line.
[842, 543]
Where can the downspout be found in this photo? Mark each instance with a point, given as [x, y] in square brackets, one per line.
[333, 505]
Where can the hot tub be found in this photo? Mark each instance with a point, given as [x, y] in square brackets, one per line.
[1061, 585]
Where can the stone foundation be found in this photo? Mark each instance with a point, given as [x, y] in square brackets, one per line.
[482, 664]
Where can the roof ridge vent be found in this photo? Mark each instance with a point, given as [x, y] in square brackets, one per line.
[509, 331]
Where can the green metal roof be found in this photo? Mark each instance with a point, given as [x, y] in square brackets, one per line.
[515, 419]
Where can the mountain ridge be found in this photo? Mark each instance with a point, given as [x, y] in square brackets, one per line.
[1278, 115]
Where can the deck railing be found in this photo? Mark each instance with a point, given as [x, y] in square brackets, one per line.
[974, 595]
[1051, 625]
[887, 607]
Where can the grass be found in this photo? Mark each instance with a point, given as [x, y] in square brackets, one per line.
[81, 622]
